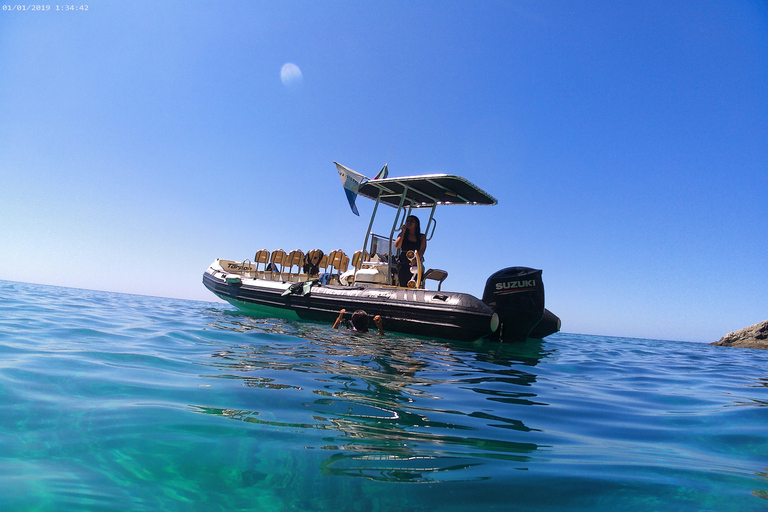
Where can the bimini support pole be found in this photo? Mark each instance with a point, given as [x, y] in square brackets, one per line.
[431, 222]
[370, 225]
[392, 233]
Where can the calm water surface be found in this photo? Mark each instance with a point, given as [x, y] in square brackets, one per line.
[122, 402]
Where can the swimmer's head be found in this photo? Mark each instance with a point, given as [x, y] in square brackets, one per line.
[360, 320]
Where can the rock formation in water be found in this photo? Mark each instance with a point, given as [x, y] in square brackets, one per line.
[751, 337]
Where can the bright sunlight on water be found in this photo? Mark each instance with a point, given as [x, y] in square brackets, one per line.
[123, 402]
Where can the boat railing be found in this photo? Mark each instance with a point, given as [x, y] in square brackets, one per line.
[248, 268]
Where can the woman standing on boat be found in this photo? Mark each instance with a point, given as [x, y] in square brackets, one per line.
[410, 239]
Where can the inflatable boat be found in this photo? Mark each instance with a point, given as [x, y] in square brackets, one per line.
[316, 285]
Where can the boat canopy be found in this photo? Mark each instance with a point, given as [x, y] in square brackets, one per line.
[406, 194]
[425, 191]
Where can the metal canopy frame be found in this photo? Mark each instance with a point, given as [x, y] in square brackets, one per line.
[419, 192]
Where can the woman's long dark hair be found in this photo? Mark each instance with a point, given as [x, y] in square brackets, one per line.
[418, 225]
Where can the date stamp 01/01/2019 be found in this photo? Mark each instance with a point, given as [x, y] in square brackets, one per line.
[45, 7]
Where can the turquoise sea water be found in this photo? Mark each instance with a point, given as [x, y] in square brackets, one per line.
[123, 402]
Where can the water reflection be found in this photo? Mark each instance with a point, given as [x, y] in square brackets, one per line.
[399, 468]
[392, 408]
[761, 493]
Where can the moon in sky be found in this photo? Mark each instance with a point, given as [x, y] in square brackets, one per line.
[290, 74]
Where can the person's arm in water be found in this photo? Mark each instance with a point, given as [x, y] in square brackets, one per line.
[377, 320]
[339, 319]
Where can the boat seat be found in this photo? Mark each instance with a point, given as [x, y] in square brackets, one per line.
[436, 275]
[358, 258]
[278, 263]
[294, 259]
[311, 264]
[337, 263]
[344, 265]
[261, 258]
[323, 265]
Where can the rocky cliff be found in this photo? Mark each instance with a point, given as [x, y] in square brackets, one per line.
[751, 337]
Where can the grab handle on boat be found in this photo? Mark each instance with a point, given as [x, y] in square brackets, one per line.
[244, 268]
[432, 223]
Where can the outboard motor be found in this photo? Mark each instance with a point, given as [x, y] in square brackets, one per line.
[516, 294]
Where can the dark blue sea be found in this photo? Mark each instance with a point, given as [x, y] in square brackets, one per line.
[112, 402]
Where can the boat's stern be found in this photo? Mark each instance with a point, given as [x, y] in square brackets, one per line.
[516, 294]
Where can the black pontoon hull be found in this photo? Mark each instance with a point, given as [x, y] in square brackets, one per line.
[436, 314]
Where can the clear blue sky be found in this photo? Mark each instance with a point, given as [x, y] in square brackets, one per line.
[626, 142]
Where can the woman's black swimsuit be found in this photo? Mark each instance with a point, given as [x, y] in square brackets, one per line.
[403, 265]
